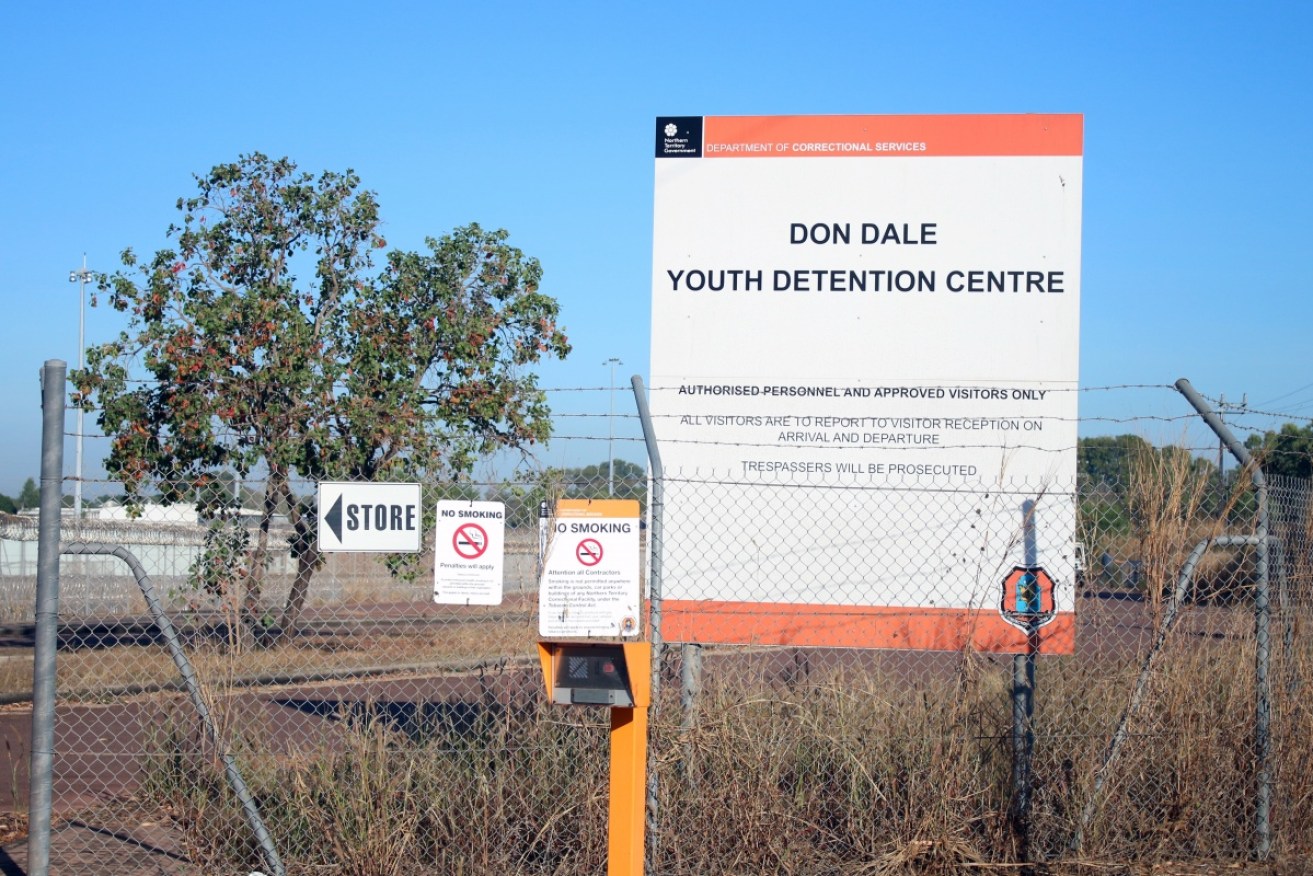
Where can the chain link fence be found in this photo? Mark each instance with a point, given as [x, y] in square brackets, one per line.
[1158, 715]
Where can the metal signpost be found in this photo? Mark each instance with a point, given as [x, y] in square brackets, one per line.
[590, 586]
[618, 676]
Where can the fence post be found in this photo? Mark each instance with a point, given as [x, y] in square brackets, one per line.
[1023, 701]
[654, 506]
[53, 374]
[690, 682]
[1262, 622]
[544, 520]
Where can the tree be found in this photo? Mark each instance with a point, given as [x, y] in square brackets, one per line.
[1108, 459]
[274, 345]
[7, 505]
[522, 499]
[592, 481]
[1288, 452]
[30, 497]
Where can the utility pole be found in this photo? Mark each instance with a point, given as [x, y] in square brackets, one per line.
[81, 277]
[1222, 408]
[1221, 461]
[610, 438]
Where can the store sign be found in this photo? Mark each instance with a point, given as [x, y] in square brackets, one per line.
[369, 517]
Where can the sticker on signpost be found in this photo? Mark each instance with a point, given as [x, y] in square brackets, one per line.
[468, 553]
[590, 581]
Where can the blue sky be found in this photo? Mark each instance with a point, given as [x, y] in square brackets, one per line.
[537, 118]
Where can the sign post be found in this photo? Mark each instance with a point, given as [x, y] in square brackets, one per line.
[618, 675]
[590, 587]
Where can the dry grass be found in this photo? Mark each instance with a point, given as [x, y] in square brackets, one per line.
[851, 773]
[85, 672]
[13, 827]
[868, 767]
[1166, 494]
[844, 772]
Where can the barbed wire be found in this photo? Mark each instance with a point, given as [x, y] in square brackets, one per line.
[1222, 407]
[967, 384]
[1197, 449]
[664, 388]
[981, 490]
[1234, 413]
[563, 415]
[756, 445]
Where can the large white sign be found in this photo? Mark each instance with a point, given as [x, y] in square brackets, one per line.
[370, 517]
[590, 581]
[880, 315]
[469, 545]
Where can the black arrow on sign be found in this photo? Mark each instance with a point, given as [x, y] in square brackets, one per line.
[334, 518]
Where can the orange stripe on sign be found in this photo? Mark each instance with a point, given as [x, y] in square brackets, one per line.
[597, 508]
[890, 136]
[856, 626]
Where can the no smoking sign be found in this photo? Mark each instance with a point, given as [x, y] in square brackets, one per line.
[470, 541]
[589, 552]
[468, 548]
[590, 584]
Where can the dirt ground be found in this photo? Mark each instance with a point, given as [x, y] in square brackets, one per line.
[138, 842]
[152, 847]
[94, 826]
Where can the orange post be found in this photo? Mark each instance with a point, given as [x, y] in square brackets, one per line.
[626, 832]
[627, 813]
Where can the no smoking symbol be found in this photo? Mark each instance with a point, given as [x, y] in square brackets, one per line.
[589, 552]
[470, 541]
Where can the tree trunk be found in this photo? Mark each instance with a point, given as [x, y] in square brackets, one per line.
[305, 571]
[253, 630]
[306, 551]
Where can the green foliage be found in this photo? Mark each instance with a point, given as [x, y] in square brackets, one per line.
[522, 499]
[7, 505]
[215, 498]
[272, 342]
[1118, 474]
[221, 566]
[30, 496]
[455, 491]
[1104, 466]
[1107, 459]
[1287, 452]
[1103, 514]
[595, 481]
[584, 482]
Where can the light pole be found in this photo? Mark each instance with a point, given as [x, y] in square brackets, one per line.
[1222, 408]
[610, 437]
[81, 277]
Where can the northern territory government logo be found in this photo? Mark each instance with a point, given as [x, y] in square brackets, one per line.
[679, 137]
